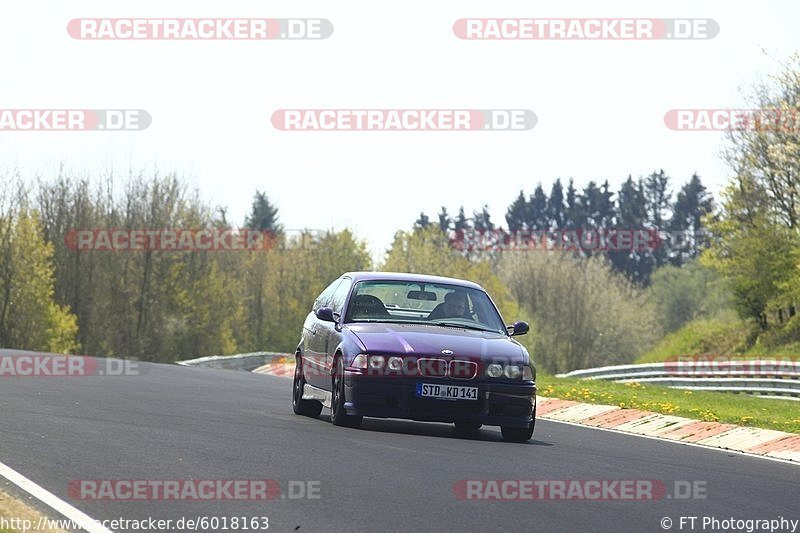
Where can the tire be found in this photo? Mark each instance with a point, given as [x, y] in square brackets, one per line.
[339, 416]
[467, 426]
[300, 406]
[515, 434]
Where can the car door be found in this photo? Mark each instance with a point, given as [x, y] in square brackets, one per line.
[330, 332]
[314, 347]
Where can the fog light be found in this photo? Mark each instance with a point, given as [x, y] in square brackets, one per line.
[494, 370]
[513, 372]
[376, 362]
[395, 363]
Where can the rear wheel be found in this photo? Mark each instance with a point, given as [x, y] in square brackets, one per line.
[300, 406]
[339, 416]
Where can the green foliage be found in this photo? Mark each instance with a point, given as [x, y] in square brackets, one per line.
[29, 315]
[168, 305]
[724, 335]
[263, 215]
[753, 253]
[783, 340]
[757, 232]
[682, 294]
[586, 315]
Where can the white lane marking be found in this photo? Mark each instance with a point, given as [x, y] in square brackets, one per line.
[673, 441]
[80, 518]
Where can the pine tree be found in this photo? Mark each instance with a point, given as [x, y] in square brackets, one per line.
[461, 223]
[537, 210]
[422, 222]
[692, 204]
[263, 215]
[516, 214]
[631, 215]
[444, 220]
[555, 206]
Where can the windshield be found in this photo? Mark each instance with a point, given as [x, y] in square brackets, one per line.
[429, 303]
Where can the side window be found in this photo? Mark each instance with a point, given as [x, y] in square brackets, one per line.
[323, 299]
[337, 302]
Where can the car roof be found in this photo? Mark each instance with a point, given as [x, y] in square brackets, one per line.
[405, 276]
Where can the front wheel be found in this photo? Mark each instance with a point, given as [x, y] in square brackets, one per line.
[514, 434]
[339, 416]
[300, 406]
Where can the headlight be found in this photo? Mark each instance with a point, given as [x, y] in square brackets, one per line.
[513, 372]
[494, 370]
[395, 363]
[376, 362]
[360, 361]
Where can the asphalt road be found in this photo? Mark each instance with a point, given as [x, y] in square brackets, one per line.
[174, 422]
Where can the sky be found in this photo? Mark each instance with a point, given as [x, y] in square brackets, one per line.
[600, 104]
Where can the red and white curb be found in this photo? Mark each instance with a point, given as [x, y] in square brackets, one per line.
[765, 443]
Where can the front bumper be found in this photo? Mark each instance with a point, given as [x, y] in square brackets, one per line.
[498, 403]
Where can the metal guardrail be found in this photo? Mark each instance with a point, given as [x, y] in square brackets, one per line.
[246, 362]
[765, 378]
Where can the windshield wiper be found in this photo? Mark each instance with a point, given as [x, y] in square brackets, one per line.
[456, 325]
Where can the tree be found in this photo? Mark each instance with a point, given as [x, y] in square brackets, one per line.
[555, 206]
[586, 315]
[263, 215]
[444, 220]
[461, 223]
[575, 215]
[756, 240]
[482, 221]
[657, 199]
[422, 222]
[631, 214]
[686, 293]
[692, 204]
[537, 218]
[755, 255]
[30, 318]
[516, 215]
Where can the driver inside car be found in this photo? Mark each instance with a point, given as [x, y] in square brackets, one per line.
[454, 306]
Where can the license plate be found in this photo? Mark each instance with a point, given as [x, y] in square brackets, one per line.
[446, 392]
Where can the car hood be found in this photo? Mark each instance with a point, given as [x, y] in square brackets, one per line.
[420, 339]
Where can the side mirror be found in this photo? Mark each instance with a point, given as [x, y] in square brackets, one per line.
[518, 328]
[325, 314]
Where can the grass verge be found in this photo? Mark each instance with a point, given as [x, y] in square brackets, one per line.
[11, 508]
[730, 408]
